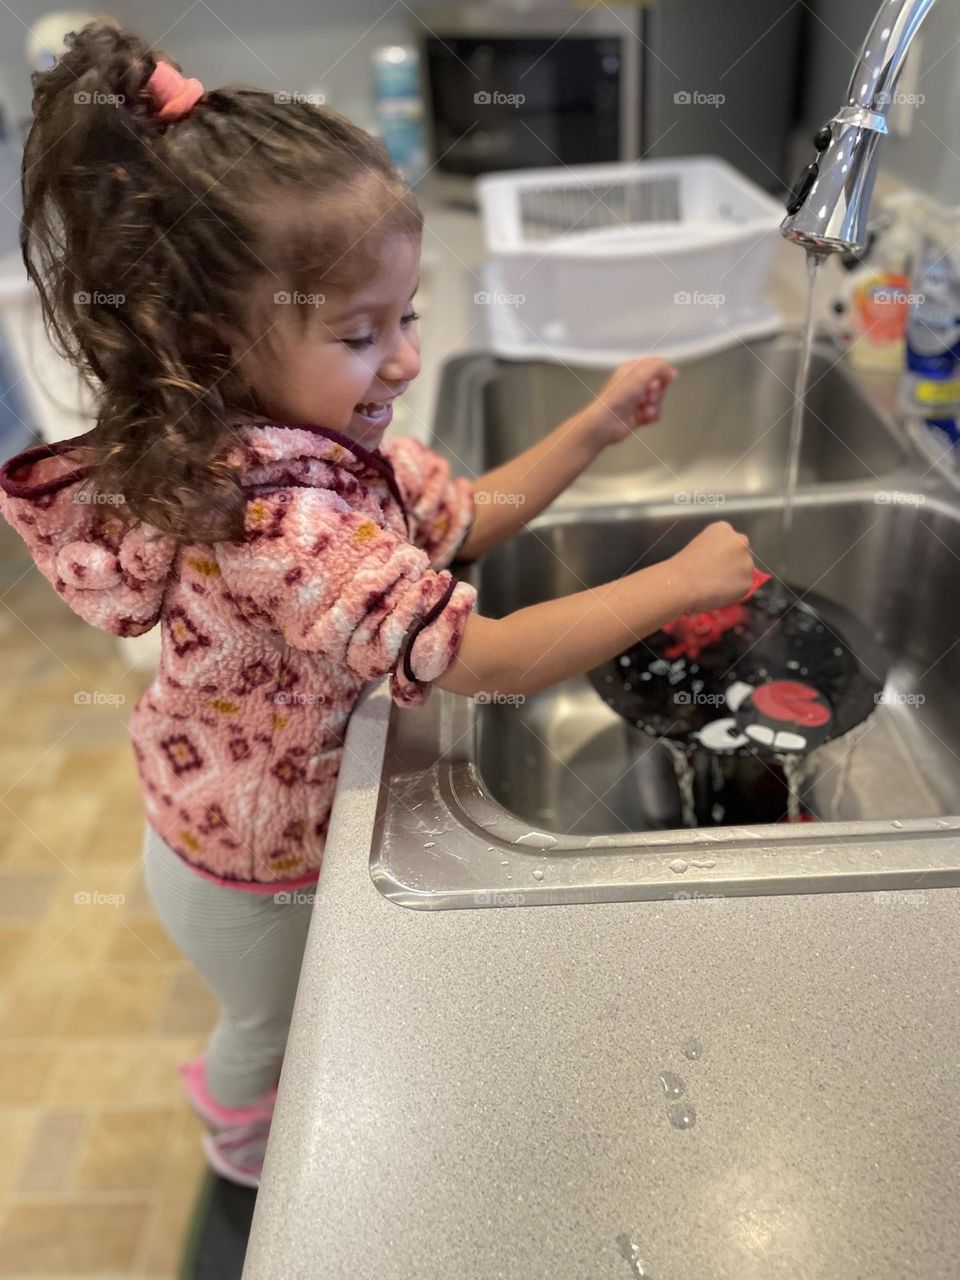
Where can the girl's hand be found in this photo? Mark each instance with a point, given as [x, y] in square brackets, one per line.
[630, 399]
[716, 566]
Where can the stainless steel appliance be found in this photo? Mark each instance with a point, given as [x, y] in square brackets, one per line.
[560, 85]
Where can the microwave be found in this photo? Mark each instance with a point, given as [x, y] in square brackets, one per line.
[513, 88]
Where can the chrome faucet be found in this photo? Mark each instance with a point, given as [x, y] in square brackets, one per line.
[828, 208]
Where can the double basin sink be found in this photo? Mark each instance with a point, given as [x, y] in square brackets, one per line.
[498, 802]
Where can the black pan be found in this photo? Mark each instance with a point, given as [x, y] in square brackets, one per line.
[795, 672]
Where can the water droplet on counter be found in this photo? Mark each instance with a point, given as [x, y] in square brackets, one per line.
[673, 1085]
[704, 863]
[691, 1048]
[538, 874]
[631, 1254]
[537, 840]
[682, 1115]
[678, 866]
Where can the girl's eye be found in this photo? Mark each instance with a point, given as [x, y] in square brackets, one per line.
[356, 343]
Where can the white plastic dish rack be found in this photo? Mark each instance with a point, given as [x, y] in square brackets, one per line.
[595, 264]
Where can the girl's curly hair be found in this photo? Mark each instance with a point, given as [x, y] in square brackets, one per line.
[143, 237]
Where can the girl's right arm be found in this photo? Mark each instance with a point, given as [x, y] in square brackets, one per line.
[546, 643]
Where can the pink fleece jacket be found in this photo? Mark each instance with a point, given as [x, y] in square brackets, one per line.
[266, 642]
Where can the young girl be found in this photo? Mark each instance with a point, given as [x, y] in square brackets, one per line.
[235, 272]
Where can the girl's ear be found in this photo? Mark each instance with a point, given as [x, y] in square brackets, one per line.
[218, 331]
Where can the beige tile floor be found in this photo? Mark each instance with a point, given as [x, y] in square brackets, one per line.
[101, 1161]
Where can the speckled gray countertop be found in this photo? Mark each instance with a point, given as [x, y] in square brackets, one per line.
[477, 1093]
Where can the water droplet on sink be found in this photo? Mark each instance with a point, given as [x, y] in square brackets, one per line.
[505, 862]
[691, 1048]
[944, 825]
[682, 1115]
[537, 840]
[538, 874]
[704, 863]
[673, 1085]
[678, 866]
[431, 844]
[897, 824]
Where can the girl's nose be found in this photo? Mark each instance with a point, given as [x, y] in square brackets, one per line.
[403, 362]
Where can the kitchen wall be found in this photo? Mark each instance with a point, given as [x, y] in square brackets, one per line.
[929, 157]
[296, 45]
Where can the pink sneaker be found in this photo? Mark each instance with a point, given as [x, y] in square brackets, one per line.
[237, 1154]
[213, 1113]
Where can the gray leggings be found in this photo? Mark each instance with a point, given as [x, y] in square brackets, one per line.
[249, 948]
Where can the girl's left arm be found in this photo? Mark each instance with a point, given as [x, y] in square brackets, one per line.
[506, 498]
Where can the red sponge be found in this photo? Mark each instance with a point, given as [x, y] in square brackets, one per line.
[695, 632]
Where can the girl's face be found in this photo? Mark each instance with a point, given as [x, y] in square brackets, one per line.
[342, 364]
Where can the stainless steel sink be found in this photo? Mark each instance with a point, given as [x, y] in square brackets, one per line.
[556, 799]
[724, 427]
[563, 759]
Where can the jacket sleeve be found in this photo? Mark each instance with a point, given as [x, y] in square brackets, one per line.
[441, 507]
[332, 581]
[111, 571]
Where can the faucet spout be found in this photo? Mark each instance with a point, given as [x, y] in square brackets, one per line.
[829, 206]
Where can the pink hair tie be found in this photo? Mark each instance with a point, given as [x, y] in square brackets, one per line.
[172, 93]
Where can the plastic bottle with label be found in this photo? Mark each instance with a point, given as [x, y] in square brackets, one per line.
[932, 380]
